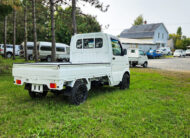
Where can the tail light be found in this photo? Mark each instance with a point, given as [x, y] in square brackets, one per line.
[1, 49]
[18, 82]
[53, 85]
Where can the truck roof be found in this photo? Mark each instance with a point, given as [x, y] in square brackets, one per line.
[95, 33]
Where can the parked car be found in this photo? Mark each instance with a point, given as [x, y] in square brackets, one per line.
[9, 50]
[164, 51]
[94, 57]
[45, 48]
[187, 52]
[179, 53]
[153, 54]
[137, 57]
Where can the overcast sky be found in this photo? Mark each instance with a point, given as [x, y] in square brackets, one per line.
[121, 14]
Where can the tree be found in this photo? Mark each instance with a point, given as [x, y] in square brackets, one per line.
[74, 17]
[14, 32]
[85, 24]
[5, 9]
[139, 20]
[179, 31]
[25, 31]
[96, 3]
[53, 52]
[34, 30]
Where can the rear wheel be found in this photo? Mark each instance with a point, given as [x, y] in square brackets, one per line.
[9, 55]
[49, 59]
[79, 93]
[30, 57]
[125, 83]
[145, 65]
[37, 95]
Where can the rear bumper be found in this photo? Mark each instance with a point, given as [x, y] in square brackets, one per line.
[44, 82]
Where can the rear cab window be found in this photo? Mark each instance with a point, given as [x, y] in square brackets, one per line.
[89, 43]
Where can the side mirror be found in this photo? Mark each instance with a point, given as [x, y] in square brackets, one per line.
[124, 51]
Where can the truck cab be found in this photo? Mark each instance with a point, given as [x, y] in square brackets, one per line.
[95, 58]
[137, 57]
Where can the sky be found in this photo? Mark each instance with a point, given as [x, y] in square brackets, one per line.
[122, 13]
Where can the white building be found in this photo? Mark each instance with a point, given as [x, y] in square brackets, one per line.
[145, 37]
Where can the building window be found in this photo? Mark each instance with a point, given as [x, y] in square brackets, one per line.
[158, 35]
[162, 36]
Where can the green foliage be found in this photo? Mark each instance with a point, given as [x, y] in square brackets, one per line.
[156, 105]
[5, 10]
[63, 29]
[179, 31]
[139, 20]
[85, 24]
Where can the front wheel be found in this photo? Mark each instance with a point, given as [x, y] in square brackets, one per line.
[125, 83]
[145, 65]
[37, 95]
[79, 93]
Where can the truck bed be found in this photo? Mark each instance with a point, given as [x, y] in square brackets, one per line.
[44, 73]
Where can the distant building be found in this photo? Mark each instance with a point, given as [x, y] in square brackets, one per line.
[145, 37]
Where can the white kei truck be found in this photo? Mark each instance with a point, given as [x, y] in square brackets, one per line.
[137, 57]
[94, 58]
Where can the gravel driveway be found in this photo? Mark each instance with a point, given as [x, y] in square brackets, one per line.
[175, 64]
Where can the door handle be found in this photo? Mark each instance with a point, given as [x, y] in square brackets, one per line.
[113, 58]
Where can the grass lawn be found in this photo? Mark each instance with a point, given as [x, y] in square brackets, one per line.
[156, 105]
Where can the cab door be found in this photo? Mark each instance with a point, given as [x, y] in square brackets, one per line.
[119, 61]
[142, 57]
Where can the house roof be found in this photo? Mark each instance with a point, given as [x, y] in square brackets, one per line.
[141, 31]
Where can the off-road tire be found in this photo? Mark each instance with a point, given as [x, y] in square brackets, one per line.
[145, 65]
[125, 83]
[79, 93]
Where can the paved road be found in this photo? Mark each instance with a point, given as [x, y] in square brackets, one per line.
[175, 64]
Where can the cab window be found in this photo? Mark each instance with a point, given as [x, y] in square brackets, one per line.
[116, 47]
[98, 43]
[141, 53]
[79, 44]
[88, 43]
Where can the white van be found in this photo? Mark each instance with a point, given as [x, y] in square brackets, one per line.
[9, 50]
[45, 48]
[30, 47]
[137, 57]
[44, 51]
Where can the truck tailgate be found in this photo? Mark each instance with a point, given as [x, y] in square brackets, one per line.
[39, 70]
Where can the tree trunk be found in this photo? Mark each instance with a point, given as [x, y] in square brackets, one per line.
[74, 17]
[25, 33]
[35, 50]
[53, 52]
[5, 36]
[14, 33]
